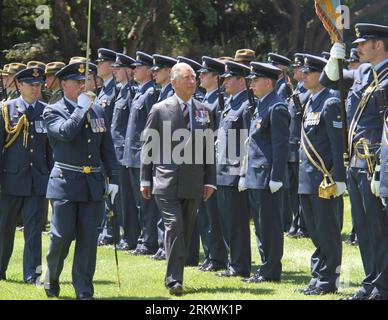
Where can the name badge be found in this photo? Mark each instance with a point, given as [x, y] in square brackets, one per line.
[312, 119]
[40, 127]
[98, 125]
[202, 116]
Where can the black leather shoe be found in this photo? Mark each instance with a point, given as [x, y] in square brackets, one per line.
[228, 273]
[203, 267]
[305, 289]
[359, 295]
[258, 279]
[176, 289]
[3, 276]
[52, 289]
[213, 267]
[85, 296]
[31, 280]
[376, 296]
[139, 252]
[317, 291]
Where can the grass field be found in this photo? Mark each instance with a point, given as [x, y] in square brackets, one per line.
[142, 278]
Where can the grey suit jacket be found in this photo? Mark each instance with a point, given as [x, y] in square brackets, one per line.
[169, 178]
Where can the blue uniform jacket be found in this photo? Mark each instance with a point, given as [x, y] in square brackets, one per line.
[25, 170]
[281, 89]
[106, 100]
[77, 141]
[295, 124]
[212, 102]
[370, 124]
[235, 116]
[166, 93]
[268, 143]
[120, 120]
[322, 123]
[140, 107]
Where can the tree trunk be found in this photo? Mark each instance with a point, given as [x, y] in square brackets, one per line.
[62, 28]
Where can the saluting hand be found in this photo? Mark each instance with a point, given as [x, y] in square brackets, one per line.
[146, 192]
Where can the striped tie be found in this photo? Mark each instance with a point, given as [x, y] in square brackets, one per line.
[186, 115]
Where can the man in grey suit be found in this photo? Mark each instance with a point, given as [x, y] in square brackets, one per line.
[177, 185]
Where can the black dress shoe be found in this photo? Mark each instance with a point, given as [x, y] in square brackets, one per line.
[376, 296]
[359, 295]
[317, 291]
[176, 289]
[203, 267]
[305, 289]
[258, 279]
[85, 296]
[52, 289]
[140, 252]
[3, 276]
[229, 273]
[213, 267]
[31, 280]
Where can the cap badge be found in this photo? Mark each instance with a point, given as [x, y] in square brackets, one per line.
[81, 68]
[35, 73]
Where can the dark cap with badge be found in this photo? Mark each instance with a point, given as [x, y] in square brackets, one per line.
[244, 55]
[277, 59]
[354, 57]
[212, 65]
[78, 59]
[143, 59]
[160, 62]
[106, 55]
[369, 31]
[234, 69]
[298, 60]
[313, 63]
[31, 75]
[75, 71]
[54, 67]
[123, 61]
[194, 64]
[264, 70]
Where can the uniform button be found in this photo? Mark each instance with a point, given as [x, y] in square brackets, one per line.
[32, 136]
[300, 161]
[89, 156]
[89, 140]
[31, 150]
[86, 126]
[31, 164]
[31, 123]
[123, 145]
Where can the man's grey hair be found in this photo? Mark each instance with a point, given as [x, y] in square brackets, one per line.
[177, 69]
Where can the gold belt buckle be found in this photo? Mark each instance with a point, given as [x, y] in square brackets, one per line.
[86, 169]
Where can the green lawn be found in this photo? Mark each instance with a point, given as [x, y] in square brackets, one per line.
[142, 278]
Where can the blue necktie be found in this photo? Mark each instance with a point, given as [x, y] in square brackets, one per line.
[30, 111]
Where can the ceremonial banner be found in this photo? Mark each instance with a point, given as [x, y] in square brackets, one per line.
[329, 13]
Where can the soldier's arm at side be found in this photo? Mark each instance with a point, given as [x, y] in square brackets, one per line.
[331, 114]
[61, 128]
[280, 132]
[210, 178]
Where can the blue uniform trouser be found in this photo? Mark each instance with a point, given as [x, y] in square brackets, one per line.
[148, 213]
[323, 221]
[234, 213]
[74, 220]
[214, 246]
[129, 211]
[367, 211]
[296, 208]
[32, 209]
[267, 216]
[381, 281]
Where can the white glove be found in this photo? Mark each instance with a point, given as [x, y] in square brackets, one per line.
[241, 184]
[337, 52]
[274, 186]
[375, 183]
[112, 191]
[341, 188]
[85, 100]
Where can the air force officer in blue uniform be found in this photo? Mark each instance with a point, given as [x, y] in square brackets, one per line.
[81, 143]
[25, 162]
